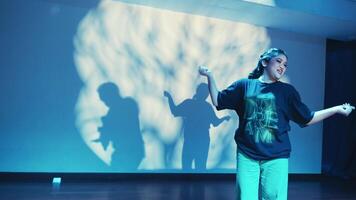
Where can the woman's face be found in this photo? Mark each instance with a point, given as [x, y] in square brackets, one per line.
[276, 67]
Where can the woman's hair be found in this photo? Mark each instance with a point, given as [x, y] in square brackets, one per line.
[267, 56]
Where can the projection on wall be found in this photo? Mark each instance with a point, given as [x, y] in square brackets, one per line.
[143, 106]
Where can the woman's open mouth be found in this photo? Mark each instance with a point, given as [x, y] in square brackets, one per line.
[280, 72]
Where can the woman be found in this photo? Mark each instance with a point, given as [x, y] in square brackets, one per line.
[265, 105]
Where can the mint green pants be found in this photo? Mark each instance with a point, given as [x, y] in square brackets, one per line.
[269, 178]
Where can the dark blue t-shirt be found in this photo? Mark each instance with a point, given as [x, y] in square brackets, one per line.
[264, 111]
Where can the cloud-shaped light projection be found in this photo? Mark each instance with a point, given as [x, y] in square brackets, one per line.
[145, 51]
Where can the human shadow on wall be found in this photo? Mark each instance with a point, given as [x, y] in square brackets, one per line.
[197, 116]
[121, 128]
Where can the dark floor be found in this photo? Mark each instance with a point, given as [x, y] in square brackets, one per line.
[167, 190]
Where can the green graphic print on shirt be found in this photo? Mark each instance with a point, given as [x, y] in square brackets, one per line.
[261, 117]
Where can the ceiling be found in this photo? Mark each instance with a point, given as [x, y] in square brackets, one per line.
[334, 19]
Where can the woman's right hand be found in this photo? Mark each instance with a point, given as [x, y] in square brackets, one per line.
[204, 71]
[213, 90]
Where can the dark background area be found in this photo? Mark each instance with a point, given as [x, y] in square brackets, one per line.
[339, 135]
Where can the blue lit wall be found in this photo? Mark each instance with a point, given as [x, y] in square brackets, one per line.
[113, 87]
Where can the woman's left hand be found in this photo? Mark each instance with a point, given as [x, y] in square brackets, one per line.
[345, 109]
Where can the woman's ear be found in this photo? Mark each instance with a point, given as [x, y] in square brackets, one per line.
[264, 63]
